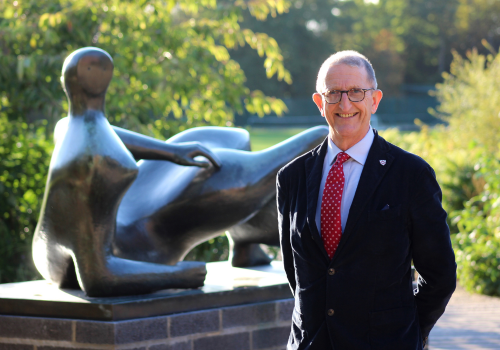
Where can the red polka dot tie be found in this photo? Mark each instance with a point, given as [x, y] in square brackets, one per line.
[331, 225]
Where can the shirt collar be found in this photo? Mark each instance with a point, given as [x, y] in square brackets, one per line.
[358, 152]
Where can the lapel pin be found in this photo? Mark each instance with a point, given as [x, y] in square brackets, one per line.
[383, 161]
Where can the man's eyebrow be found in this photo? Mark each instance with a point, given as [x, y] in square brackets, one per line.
[354, 87]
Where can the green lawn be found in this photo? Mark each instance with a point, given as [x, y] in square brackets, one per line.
[261, 138]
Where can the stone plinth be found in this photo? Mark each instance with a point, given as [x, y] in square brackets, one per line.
[236, 309]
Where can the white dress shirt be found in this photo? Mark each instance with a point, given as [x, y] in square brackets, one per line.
[352, 172]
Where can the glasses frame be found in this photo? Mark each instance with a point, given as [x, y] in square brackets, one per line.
[347, 94]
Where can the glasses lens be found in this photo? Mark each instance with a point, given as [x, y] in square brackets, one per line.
[333, 97]
[356, 95]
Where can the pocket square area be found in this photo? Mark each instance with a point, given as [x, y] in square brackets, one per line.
[390, 213]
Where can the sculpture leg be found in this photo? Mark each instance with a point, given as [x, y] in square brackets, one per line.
[247, 255]
[215, 137]
[92, 267]
[245, 238]
[115, 276]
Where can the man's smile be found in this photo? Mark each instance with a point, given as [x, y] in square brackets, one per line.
[343, 115]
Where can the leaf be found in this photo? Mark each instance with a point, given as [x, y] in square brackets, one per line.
[20, 68]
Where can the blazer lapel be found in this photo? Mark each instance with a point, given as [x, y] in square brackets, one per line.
[371, 176]
[314, 169]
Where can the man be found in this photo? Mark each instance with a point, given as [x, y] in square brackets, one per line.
[353, 215]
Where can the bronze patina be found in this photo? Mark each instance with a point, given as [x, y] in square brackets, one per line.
[113, 226]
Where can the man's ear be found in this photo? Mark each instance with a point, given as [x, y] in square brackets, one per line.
[376, 97]
[318, 99]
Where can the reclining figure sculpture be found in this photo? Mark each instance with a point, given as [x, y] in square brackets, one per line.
[112, 226]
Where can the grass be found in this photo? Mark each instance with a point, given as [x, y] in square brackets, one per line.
[262, 138]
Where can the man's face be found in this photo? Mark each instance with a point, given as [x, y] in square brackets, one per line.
[349, 121]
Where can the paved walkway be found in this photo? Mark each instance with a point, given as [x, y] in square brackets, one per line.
[471, 322]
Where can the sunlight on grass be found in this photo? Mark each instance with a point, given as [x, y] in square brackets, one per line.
[261, 138]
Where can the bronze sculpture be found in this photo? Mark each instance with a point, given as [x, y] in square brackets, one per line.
[116, 227]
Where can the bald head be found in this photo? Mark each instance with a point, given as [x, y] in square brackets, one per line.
[350, 58]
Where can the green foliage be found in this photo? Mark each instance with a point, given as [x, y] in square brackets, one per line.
[469, 99]
[303, 51]
[469, 178]
[466, 159]
[411, 40]
[452, 165]
[472, 112]
[172, 66]
[25, 154]
[477, 245]
[215, 249]
[408, 41]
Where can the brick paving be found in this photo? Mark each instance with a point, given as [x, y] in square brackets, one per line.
[471, 322]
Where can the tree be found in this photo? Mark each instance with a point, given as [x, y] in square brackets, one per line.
[371, 27]
[312, 30]
[408, 41]
[303, 50]
[172, 65]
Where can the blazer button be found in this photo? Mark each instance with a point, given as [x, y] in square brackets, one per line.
[331, 272]
[330, 312]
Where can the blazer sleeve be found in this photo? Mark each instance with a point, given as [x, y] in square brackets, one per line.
[432, 252]
[284, 230]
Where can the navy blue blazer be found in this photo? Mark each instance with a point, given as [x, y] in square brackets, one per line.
[363, 297]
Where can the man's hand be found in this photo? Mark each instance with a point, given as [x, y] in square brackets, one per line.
[185, 153]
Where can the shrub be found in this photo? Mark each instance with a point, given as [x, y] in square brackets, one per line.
[477, 245]
[452, 165]
[25, 153]
[215, 249]
[469, 100]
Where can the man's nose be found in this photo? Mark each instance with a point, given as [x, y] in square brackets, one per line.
[344, 103]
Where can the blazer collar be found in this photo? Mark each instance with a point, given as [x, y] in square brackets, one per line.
[314, 169]
[377, 164]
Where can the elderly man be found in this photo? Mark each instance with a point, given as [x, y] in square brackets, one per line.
[353, 215]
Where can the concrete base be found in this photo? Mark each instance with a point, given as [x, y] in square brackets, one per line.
[241, 309]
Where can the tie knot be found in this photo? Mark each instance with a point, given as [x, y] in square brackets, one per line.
[341, 158]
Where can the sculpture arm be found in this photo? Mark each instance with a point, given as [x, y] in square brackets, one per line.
[145, 147]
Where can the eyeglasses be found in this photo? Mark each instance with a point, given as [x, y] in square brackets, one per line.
[354, 95]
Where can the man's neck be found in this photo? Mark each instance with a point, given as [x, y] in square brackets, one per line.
[344, 143]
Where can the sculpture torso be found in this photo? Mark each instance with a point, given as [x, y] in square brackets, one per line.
[91, 170]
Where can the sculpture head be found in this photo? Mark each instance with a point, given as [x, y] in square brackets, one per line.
[86, 74]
